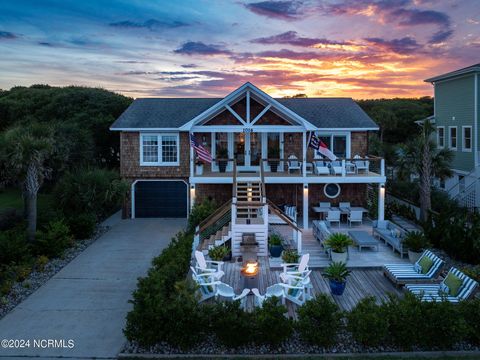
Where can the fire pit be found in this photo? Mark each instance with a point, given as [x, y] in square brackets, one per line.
[250, 272]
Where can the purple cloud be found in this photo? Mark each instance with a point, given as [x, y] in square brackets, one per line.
[406, 45]
[7, 35]
[151, 24]
[287, 10]
[292, 38]
[200, 48]
[421, 17]
[189, 66]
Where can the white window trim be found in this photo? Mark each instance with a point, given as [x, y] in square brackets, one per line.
[464, 149]
[159, 140]
[348, 154]
[450, 137]
[438, 137]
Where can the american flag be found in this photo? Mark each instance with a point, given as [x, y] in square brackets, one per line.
[202, 153]
[314, 141]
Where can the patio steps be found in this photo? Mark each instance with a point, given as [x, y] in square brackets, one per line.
[219, 238]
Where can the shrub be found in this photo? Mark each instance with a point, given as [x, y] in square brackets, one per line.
[470, 312]
[200, 212]
[41, 262]
[9, 218]
[338, 242]
[13, 247]
[54, 239]
[217, 253]
[367, 323]
[416, 241]
[319, 321]
[271, 327]
[337, 271]
[83, 225]
[275, 240]
[231, 324]
[290, 256]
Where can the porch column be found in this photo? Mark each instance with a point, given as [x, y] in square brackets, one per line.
[381, 202]
[192, 195]
[304, 143]
[192, 167]
[305, 206]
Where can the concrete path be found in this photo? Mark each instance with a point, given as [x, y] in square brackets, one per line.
[87, 301]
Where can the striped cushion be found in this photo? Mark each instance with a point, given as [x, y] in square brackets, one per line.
[408, 271]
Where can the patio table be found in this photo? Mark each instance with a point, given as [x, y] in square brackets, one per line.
[321, 210]
[363, 239]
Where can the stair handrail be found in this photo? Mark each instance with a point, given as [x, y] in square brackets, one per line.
[262, 180]
[234, 186]
[458, 182]
[215, 216]
[282, 215]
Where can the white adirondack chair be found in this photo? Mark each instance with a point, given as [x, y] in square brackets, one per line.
[275, 290]
[207, 285]
[204, 265]
[293, 164]
[294, 268]
[361, 165]
[355, 216]
[333, 216]
[321, 168]
[299, 288]
[227, 291]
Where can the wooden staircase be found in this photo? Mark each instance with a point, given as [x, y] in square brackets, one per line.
[219, 238]
[249, 199]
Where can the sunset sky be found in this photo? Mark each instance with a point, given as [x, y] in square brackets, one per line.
[199, 48]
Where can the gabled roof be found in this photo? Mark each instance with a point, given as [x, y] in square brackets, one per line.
[175, 113]
[455, 73]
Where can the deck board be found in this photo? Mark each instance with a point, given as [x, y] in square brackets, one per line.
[360, 284]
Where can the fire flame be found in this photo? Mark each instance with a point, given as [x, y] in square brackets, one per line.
[251, 268]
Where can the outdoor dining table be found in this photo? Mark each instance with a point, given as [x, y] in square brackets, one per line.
[321, 210]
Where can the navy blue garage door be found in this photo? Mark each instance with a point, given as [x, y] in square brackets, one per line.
[166, 199]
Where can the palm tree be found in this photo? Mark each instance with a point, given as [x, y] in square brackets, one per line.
[421, 157]
[24, 151]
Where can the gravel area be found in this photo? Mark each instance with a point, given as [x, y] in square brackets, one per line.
[345, 344]
[21, 290]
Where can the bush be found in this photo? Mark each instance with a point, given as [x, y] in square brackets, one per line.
[54, 239]
[470, 311]
[14, 247]
[231, 324]
[9, 218]
[217, 253]
[94, 191]
[271, 327]
[83, 225]
[200, 212]
[319, 321]
[367, 323]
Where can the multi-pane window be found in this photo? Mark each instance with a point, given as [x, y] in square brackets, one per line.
[336, 143]
[467, 138]
[453, 137]
[441, 137]
[159, 149]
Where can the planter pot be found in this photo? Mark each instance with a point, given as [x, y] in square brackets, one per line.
[414, 256]
[276, 250]
[336, 287]
[227, 257]
[222, 166]
[199, 169]
[273, 166]
[339, 257]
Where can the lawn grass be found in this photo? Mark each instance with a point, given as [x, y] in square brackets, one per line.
[12, 198]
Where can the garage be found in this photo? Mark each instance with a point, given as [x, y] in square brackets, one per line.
[162, 199]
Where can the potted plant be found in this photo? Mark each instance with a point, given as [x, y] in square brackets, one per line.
[199, 167]
[416, 242]
[273, 158]
[222, 159]
[290, 256]
[337, 274]
[275, 245]
[338, 244]
[220, 253]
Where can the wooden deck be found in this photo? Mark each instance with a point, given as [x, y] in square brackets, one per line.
[360, 284]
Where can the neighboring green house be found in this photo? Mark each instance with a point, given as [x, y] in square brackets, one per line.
[456, 118]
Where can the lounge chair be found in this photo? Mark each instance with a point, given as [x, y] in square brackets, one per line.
[321, 168]
[276, 290]
[295, 268]
[207, 285]
[337, 167]
[442, 292]
[204, 265]
[355, 216]
[402, 274]
[333, 216]
[227, 291]
[293, 164]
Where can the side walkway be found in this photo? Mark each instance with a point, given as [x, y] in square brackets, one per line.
[87, 301]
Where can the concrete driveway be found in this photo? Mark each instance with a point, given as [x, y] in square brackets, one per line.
[87, 301]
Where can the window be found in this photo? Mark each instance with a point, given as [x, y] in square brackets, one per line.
[453, 137]
[336, 143]
[467, 138]
[331, 190]
[441, 137]
[159, 149]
